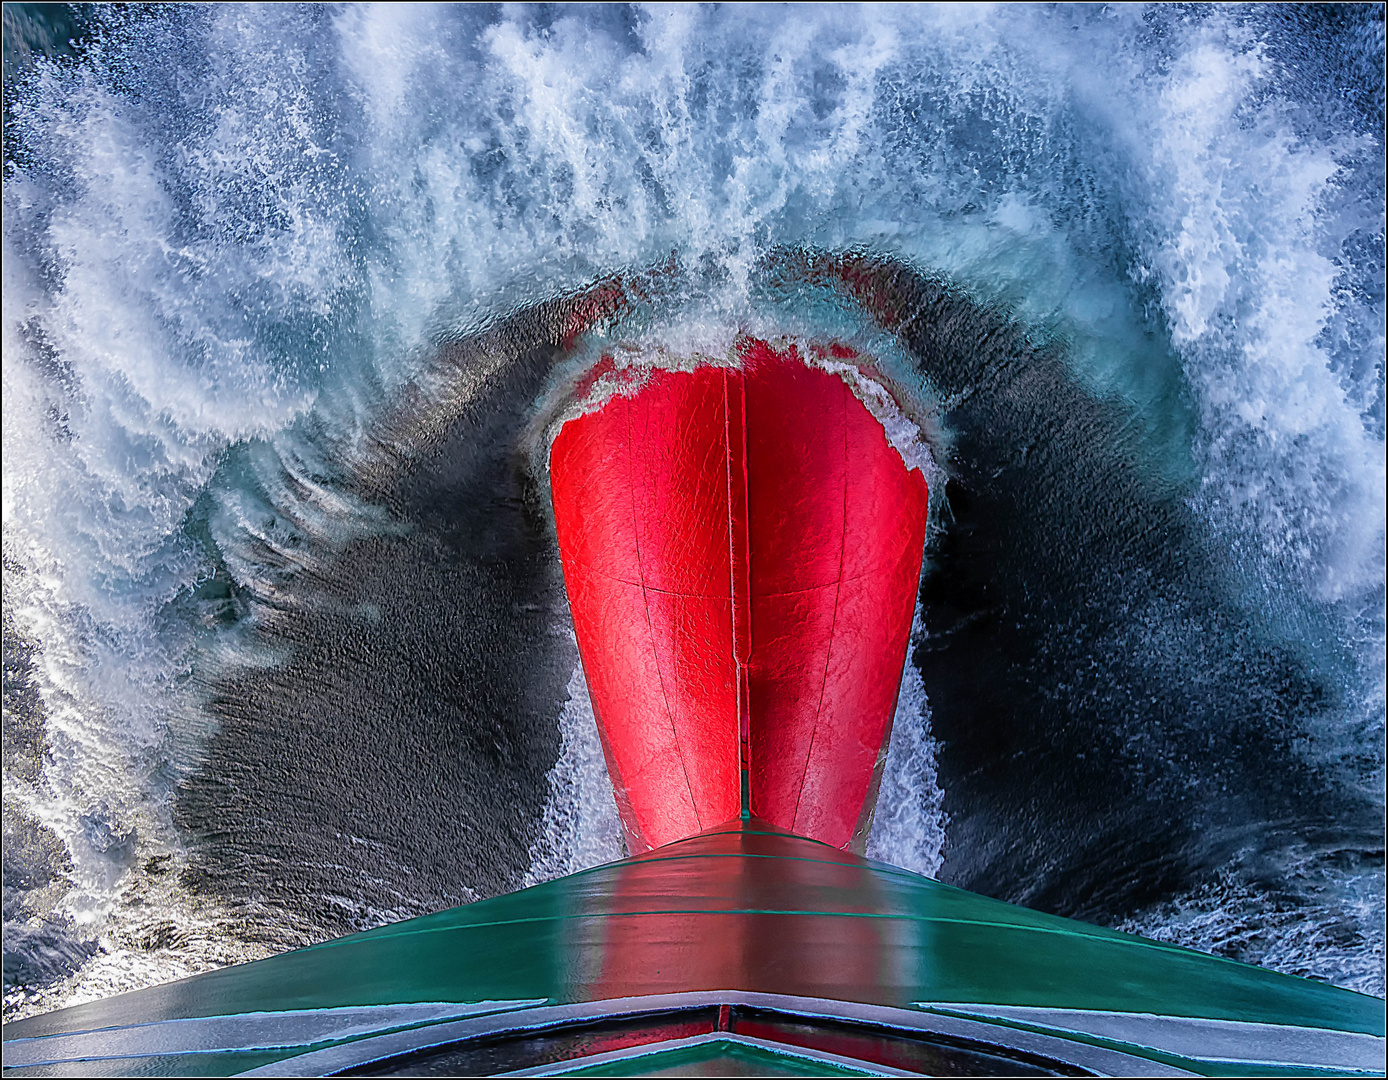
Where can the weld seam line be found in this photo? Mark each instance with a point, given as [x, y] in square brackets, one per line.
[720, 596]
[743, 796]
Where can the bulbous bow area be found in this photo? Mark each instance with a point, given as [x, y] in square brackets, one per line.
[742, 550]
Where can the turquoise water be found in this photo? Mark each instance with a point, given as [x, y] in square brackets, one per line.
[234, 235]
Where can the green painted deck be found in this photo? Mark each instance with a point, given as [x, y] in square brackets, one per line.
[743, 907]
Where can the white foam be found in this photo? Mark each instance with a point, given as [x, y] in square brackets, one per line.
[698, 342]
[1335, 935]
[1238, 239]
[908, 828]
[580, 827]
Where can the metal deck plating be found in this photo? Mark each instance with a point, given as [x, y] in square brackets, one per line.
[743, 932]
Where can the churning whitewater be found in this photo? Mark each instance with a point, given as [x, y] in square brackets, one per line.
[291, 294]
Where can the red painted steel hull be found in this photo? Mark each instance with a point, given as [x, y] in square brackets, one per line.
[741, 550]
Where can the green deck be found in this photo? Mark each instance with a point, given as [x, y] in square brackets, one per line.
[746, 908]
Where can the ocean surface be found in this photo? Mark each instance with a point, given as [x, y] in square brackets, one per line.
[286, 647]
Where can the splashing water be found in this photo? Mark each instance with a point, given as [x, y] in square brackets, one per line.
[234, 237]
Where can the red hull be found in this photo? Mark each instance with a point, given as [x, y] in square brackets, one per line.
[741, 550]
